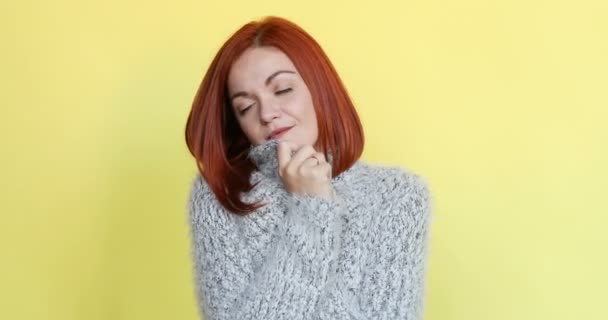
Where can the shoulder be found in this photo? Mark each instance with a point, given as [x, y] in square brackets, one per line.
[199, 191]
[390, 180]
[394, 188]
[204, 209]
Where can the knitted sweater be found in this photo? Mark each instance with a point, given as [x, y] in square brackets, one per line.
[359, 256]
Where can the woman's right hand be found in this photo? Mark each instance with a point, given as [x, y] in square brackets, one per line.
[306, 171]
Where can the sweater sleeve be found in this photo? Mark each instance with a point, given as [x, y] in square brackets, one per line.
[388, 280]
[326, 279]
[295, 267]
[307, 273]
[395, 272]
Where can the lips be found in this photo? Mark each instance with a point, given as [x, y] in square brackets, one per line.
[278, 132]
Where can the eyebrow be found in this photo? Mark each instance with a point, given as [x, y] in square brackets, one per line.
[267, 82]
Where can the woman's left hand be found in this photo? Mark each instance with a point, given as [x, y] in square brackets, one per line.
[306, 171]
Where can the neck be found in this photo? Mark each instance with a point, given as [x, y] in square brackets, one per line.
[264, 156]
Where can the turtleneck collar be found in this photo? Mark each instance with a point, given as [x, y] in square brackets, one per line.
[264, 156]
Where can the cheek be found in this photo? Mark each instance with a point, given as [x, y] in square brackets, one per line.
[310, 111]
[303, 109]
[250, 129]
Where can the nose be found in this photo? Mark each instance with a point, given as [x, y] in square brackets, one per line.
[269, 110]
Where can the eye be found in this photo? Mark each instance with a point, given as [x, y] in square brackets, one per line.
[242, 112]
[283, 91]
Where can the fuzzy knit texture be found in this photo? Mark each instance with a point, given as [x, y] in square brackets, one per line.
[362, 255]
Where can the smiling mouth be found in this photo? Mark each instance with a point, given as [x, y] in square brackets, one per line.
[280, 133]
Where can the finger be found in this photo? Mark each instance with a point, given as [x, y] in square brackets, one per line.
[301, 155]
[311, 162]
[284, 151]
[320, 156]
[328, 169]
[322, 170]
[315, 160]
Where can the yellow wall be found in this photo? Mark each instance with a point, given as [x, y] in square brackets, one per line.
[502, 105]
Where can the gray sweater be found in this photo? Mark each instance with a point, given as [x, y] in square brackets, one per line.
[360, 256]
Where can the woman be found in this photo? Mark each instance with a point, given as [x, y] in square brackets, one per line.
[286, 221]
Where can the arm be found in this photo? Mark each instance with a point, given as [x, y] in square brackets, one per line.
[302, 278]
[295, 267]
[388, 280]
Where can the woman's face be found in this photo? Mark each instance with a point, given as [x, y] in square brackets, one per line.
[267, 93]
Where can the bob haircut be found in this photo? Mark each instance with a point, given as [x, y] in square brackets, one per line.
[214, 136]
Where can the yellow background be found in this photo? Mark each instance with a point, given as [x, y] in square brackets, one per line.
[501, 105]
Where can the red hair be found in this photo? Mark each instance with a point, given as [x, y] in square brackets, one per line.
[214, 136]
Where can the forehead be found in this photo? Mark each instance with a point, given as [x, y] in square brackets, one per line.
[255, 64]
